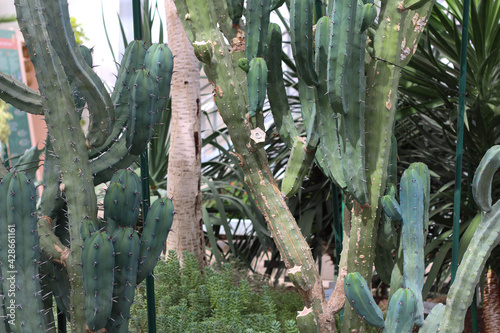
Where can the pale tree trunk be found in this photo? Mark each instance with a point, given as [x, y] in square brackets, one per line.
[184, 165]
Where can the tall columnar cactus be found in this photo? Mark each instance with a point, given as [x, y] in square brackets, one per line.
[406, 307]
[120, 126]
[348, 92]
[486, 237]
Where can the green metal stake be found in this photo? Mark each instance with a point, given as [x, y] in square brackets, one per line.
[150, 286]
[460, 140]
[459, 154]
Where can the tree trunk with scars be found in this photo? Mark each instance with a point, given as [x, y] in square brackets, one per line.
[184, 168]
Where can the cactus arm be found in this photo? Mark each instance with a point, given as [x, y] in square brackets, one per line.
[86, 80]
[257, 24]
[412, 235]
[51, 201]
[431, 323]
[98, 264]
[401, 312]
[353, 100]
[257, 83]
[20, 95]
[306, 322]
[425, 176]
[360, 298]
[133, 59]
[484, 175]
[276, 91]
[486, 237]
[59, 109]
[50, 244]
[116, 157]
[339, 34]
[328, 122]
[297, 167]
[301, 31]
[126, 244]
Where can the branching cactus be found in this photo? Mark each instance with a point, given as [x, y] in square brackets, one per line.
[406, 304]
[65, 233]
[348, 75]
[486, 237]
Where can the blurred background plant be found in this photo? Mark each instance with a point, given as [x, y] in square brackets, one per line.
[5, 116]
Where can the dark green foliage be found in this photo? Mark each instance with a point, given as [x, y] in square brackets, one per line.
[225, 300]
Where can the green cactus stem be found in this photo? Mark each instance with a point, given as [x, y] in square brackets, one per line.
[98, 265]
[154, 235]
[401, 312]
[301, 30]
[257, 24]
[20, 95]
[122, 200]
[126, 244]
[486, 237]
[101, 109]
[276, 91]
[359, 295]
[431, 323]
[58, 105]
[20, 254]
[231, 97]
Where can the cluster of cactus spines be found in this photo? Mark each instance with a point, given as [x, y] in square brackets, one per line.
[20, 256]
[486, 237]
[353, 145]
[75, 163]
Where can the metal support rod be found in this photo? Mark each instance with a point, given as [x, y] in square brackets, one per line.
[150, 293]
[460, 139]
